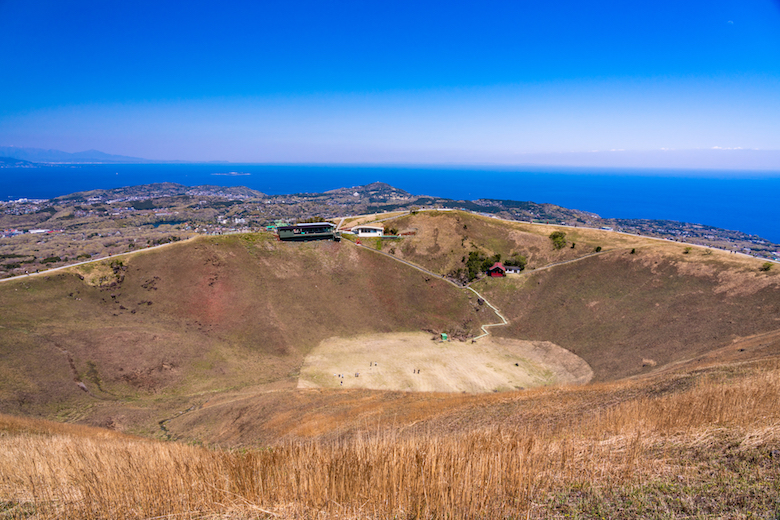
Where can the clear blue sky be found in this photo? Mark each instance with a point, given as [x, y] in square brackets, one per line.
[399, 82]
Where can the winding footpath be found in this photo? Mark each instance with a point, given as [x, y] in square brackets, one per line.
[485, 331]
[504, 321]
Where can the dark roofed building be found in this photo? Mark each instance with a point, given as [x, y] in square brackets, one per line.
[309, 231]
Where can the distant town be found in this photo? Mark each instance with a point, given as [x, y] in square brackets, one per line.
[37, 234]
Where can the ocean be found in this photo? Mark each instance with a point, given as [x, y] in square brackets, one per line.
[743, 201]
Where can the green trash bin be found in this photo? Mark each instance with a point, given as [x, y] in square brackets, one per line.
[444, 336]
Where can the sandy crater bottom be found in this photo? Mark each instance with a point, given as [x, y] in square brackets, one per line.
[392, 362]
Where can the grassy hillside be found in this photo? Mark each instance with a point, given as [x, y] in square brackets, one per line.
[627, 314]
[624, 312]
[126, 342]
[443, 239]
[246, 418]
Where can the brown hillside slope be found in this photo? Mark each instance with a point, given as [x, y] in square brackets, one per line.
[443, 238]
[628, 313]
[624, 313]
[211, 314]
[249, 418]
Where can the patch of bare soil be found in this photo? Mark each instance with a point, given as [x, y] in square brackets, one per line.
[415, 362]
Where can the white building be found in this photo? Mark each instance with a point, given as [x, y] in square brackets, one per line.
[368, 231]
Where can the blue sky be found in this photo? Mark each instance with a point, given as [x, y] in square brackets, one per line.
[505, 82]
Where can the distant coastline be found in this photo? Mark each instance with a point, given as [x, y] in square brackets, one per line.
[709, 198]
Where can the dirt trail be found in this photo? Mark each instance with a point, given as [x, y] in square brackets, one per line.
[504, 321]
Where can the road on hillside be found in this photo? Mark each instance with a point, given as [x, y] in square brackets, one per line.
[47, 271]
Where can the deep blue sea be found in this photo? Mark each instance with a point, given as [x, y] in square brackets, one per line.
[744, 201]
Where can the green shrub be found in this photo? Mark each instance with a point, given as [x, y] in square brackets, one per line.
[558, 239]
[766, 267]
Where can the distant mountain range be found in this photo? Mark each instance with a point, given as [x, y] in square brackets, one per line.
[701, 159]
[57, 156]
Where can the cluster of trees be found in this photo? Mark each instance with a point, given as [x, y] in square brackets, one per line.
[164, 240]
[516, 261]
[143, 204]
[477, 262]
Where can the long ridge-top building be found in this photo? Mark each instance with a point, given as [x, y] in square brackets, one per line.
[309, 231]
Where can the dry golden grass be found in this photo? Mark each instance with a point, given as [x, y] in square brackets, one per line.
[701, 451]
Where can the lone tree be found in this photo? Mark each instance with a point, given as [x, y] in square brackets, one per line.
[558, 239]
[766, 267]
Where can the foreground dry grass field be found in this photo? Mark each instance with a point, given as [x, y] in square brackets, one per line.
[706, 449]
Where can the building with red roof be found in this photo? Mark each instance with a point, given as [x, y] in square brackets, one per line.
[498, 269]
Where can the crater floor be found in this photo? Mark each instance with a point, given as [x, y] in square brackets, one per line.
[417, 363]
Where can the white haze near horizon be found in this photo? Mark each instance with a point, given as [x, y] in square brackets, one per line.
[642, 124]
